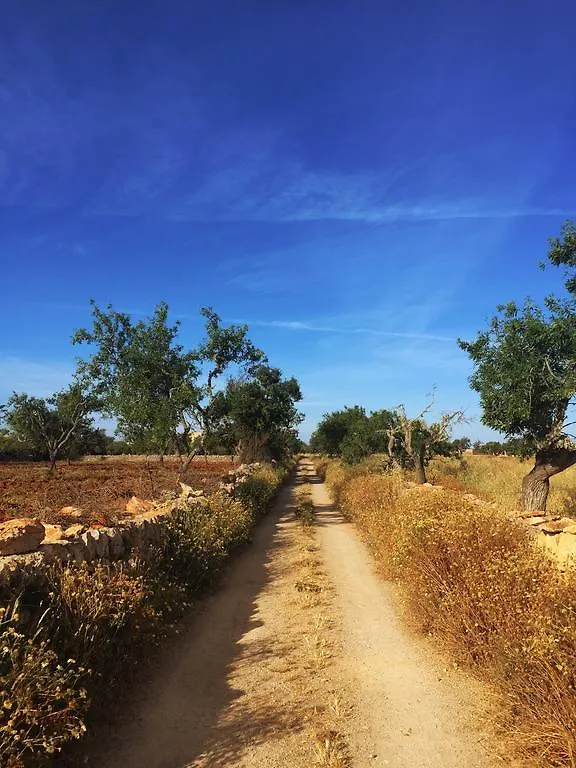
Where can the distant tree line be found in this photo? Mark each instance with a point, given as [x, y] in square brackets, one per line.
[221, 396]
[353, 434]
[512, 447]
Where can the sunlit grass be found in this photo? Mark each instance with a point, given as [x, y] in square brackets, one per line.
[499, 479]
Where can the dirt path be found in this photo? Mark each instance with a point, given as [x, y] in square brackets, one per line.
[414, 710]
[300, 659]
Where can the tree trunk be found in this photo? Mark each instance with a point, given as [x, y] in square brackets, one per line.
[419, 467]
[251, 449]
[536, 484]
[53, 457]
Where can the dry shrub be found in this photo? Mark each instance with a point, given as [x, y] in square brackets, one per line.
[475, 580]
[197, 540]
[43, 700]
[335, 476]
[321, 464]
[96, 608]
[64, 640]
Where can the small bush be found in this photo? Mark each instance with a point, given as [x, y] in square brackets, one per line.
[258, 490]
[197, 540]
[305, 512]
[94, 608]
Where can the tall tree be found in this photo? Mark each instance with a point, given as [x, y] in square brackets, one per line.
[159, 393]
[334, 428]
[141, 375]
[354, 435]
[52, 425]
[261, 413]
[525, 374]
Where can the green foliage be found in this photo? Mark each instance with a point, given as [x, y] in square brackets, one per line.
[354, 435]
[525, 371]
[258, 489]
[12, 449]
[261, 414]
[52, 426]
[459, 445]
[160, 394]
[141, 374]
[563, 252]
[513, 447]
[333, 429]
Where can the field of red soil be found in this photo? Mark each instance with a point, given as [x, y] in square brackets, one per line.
[100, 487]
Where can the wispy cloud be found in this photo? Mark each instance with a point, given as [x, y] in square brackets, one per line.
[299, 325]
[181, 166]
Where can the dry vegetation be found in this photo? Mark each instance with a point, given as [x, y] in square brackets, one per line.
[476, 582]
[326, 719]
[499, 478]
[99, 487]
[67, 640]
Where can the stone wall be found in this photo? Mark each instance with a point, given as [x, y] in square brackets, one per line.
[555, 534]
[31, 545]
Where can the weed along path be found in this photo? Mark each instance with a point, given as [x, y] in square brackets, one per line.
[299, 660]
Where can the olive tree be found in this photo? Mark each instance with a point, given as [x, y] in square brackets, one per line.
[52, 425]
[525, 374]
[420, 440]
[159, 393]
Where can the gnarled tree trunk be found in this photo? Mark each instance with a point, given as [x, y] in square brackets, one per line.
[53, 459]
[251, 448]
[419, 464]
[536, 484]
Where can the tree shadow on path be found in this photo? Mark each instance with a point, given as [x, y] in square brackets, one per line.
[175, 720]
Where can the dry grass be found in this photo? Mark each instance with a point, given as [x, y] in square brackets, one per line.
[331, 749]
[499, 479]
[101, 488]
[476, 582]
[326, 722]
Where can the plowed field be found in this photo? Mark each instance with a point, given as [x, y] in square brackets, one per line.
[100, 487]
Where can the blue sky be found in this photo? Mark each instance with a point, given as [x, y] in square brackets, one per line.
[360, 182]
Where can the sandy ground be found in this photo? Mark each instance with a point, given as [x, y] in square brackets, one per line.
[301, 659]
[414, 709]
